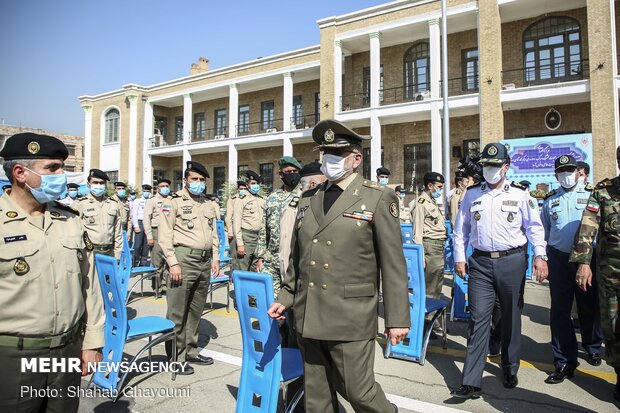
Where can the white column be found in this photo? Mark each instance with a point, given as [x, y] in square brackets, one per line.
[375, 69]
[338, 77]
[614, 39]
[147, 172]
[187, 118]
[232, 162]
[88, 134]
[375, 144]
[133, 137]
[287, 112]
[233, 110]
[436, 137]
[287, 147]
[434, 36]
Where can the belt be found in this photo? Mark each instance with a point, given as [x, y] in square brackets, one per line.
[35, 343]
[251, 231]
[498, 254]
[434, 241]
[102, 246]
[204, 254]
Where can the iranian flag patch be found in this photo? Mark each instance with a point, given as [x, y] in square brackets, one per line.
[593, 206]
[166, 209]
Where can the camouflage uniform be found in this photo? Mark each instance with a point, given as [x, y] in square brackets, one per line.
[269, 238]
[604, 207]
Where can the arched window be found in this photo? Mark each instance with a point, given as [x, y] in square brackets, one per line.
[112, 118]
[552, 51]
[416, 64]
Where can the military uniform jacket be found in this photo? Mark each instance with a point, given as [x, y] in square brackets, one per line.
[188, 222]
[454, 203]
[269, 238]
[48, 282]
[331, 281]
[152, 211]
[249, 213]
[230, 209]
[405, 212]
[287, 223]
[601, 215]
[427, 219]
[102, 220]
[124, 211]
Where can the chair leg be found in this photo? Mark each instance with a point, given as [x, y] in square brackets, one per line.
[445, 329]
[228, 297]
[150, 349]
[296, 398]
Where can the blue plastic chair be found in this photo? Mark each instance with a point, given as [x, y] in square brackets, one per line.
[265, 365]
[128, 271]
[406, 231]
[118, 330]
[222, 279]
[414, 346]
[459, 307]
[530, 259]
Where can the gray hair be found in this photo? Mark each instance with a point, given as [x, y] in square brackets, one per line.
[9, 165]
[307, 180]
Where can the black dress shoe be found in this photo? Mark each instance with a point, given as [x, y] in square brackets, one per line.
[510, 381]
[185, 369]
[558, 376]
[617, 389]
[395, 407]
[201, 360]
[594, 359]
[466, 392]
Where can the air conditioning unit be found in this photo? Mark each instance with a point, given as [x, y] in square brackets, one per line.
[271, 130]
[179, 142]
[219, 137]
[508, 86]
[158, 140]
[422, 96]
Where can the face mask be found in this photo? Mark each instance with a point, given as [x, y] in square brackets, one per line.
[146, 195]
[165, 191]
[243, 192]
[132, 197]
[73, 194]
[436, 193]
[492, 174]
[51, 187]
[333, 167]
[121, 193]
[97, 189]
[581, 179]
[254, 188]
[196, 188]
[402, 195]
[383, 181]
[291, 179]
[567, 179]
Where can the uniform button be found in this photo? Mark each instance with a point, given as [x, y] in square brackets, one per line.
[310, 284]
[312, 263]
[56, 286]
[326, 266]
[324, 286]
[57, 313]
[314, 241]
[329, 243]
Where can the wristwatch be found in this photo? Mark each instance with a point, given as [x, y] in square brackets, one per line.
[542, 257]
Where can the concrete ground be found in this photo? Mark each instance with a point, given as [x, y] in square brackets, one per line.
[414, 388]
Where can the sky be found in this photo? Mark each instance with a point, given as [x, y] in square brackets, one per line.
[52, 51]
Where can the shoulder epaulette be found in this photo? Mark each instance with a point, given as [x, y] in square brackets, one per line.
[518, 185]
[175, 195]
[373, 184]
[241, 196]
[234, 196]
[294, 202]
[458, 191]
[588, 187]
[65, 208]
[421, 200]
[604, 183]
[550, 194]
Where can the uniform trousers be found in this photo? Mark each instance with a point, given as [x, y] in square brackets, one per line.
[140, 247]
[343, 366]
[249, 260]
[186, 303]
[503, 277]
[433, 272]
[563, 289]
[15, 391]
[157, 261]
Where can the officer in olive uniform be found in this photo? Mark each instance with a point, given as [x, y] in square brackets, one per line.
[429, 230]
[383, 175]
[101, 216]
[189, 242]
[72, 195]
[346, 234]
[120, 196]
[248, 222]
[152, 211]
[405, 212]
[228, 218]
[458, 194]
[50, 299]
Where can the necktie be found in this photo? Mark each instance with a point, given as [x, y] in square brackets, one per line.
[331, 195]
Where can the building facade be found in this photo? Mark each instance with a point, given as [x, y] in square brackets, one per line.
[516, 68]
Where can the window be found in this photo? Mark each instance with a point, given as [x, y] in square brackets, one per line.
[267, 115]
[219, 178]
[416, 70]
[71, 149]
[471, 147]
[317, 107]
[266, 172]
[417, 161]
[69, 168]
[241, 171]
[158, 174]
[220, 122]
[178, 128]
[470, 72]
[112, 118]
[366, 163]
[552, 50]
[366, 86]
[113, 175]
[200, 126]
[244, 119]
[298, 117]
[177, 182]
[161, 126]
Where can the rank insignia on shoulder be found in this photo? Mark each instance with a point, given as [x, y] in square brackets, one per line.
[294, 202]
[604, 183]
[458, 191]
[421, 200]
[588, 187]
[87, 241]
[21, 267]
[394, 209]
[518, 185]
[11, 214]
[373, 184]
[55, 214]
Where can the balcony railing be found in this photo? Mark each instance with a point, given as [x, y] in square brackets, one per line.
[255, 128]
[354, 101]
[303, 122]
[404, 93]
[545, 74]
[159, 141]
[461, 86]
[203, 135]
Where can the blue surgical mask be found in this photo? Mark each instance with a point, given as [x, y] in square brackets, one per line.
[132, 197]
[436, 193]
[146, 195]
[165, 191]
[51, 187]
[402, 195]
[97, 189]
[121, 193]
[254, 188]
[383, 181]
[243, 192]
[196, 188]
[73, 194]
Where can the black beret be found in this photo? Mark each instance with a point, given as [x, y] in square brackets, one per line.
[399, 189]
[198, 168]
[240, 183]
[123, 184]
[433, 177]
[565, 160]
[494, 153]
[132, 192]
[166, 181]
[72, 185]
[383, 171]
[249, 174]
[147, 187]
[310, 169]
[33, 146]
[98, 173]
[460, 174]
[584, 165]
[330, 133]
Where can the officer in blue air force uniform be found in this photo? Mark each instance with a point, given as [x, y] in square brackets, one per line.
[561, 216]
[497, 217]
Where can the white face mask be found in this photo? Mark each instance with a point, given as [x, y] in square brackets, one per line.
[333, 167]
[567, 179]
[492, 174]
[581, 179]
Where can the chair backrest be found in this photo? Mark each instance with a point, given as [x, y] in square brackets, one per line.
[414, 258]
[115, 329]
[261, 367]
[406, 231]
[224, 252]
[124, 271]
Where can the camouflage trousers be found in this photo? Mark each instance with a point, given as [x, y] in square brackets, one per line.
[608, 274]
[273, 268]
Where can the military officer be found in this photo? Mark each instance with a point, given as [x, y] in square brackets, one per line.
[101, 216]
[120, 196]
[453, 202]
[429, 230]
[52, 305]
[334, 298]
[72, 195]
[561, 215]
[248, 222]
[150, 221]
[230, 209]
[600, 219]
[269, 239]
[497, 218]
[405, 212]
[140, 248]
[383, 175]
[189, 242]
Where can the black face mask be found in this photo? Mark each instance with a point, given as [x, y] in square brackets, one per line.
[291, 179]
